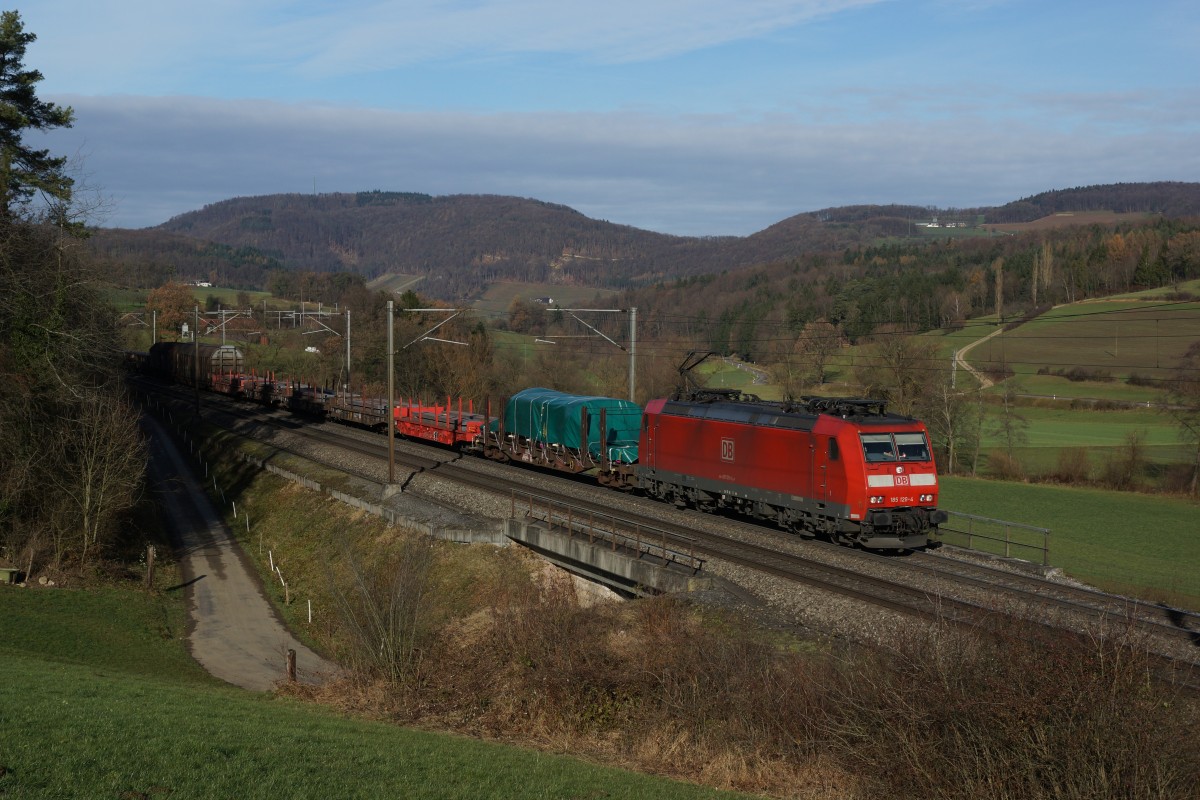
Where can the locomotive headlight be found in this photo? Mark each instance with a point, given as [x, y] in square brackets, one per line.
[876, 498]
[926, 498]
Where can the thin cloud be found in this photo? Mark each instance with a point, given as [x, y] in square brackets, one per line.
[618, 31]
[694, 175]
[155, 44]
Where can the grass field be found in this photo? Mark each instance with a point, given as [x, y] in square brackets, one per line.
[719, 374]
[228, 298]
[1120, 337]
[99, 699]
[394, 283]
[1055, 387]
[1053, 428]
[499, 296]
[1143, 545]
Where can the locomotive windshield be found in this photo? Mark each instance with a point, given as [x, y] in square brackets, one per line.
[895, 447]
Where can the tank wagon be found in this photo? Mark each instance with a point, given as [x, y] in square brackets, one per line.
[220, 366]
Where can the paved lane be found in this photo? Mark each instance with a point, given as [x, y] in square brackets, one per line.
[234, 633]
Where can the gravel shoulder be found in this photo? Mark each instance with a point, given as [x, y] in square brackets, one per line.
[234, 632]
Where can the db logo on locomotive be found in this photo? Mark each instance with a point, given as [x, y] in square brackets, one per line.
[727, 449]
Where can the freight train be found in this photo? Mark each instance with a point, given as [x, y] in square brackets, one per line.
[844, 469]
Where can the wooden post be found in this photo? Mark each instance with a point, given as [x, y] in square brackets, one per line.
[150, 567]
[291, 665]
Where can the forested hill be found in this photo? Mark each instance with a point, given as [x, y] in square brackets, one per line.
[1169, 198]
[460, 243]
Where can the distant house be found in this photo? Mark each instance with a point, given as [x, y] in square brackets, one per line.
[544, 300]
[204, 284]
[935, 224]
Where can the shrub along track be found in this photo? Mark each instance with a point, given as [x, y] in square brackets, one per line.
[923, 585]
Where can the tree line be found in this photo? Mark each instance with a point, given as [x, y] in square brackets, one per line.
[71, 457]
[923, 286]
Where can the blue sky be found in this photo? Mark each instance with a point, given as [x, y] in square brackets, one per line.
[692, 117]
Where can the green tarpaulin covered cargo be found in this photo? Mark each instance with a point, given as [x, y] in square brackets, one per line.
[549, 417]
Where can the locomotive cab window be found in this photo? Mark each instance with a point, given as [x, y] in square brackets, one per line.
[895, 447]
[878, 447]
[912, 447]
[833, 449]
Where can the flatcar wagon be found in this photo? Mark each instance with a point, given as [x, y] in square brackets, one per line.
[312, 401]
[358, 409]
[439, 423]
[264, 389]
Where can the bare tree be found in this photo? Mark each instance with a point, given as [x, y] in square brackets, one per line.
[998, 270]
[1184, 407]
[384, 599]
[1009, 424]
[101, 476]
[899, 368]
[779, 356]
[57, 353]
[950, 414]
[816, 345]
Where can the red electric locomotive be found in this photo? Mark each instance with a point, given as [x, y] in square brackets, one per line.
[840, 468]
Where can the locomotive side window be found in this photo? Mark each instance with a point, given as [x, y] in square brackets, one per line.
[833, 449]
[912, 447]
[878, 446]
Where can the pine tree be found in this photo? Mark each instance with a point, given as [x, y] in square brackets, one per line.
[24, 170]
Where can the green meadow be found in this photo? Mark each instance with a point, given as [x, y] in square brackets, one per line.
[98, 698]
[1144, 545]
[1105, 435]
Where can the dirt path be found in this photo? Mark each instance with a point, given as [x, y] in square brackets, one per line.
[234, 632]
[960, 356]
[758, 376]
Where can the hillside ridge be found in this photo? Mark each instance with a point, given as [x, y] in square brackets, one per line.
[461, 243]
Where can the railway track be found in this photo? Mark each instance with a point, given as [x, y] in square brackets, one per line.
[1159, 619]
[964, 593]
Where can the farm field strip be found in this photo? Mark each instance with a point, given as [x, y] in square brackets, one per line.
[1118, 337]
